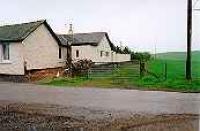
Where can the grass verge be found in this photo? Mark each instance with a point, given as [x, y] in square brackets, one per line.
[174, 82]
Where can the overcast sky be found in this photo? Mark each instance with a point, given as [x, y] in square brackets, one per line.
[140, 24]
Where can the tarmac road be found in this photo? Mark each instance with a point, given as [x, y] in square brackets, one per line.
[147, 102]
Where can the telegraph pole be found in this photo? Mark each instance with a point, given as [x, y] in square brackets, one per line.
[189, 41]
[155, 51]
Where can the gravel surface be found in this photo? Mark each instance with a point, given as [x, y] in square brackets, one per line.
[37, 117]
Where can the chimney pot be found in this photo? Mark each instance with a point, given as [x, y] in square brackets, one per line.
[70, 29]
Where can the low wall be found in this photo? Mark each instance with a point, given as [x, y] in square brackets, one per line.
[121, 57]
[33, 75]
[14, 78]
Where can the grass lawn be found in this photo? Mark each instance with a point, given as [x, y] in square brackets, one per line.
[125, 78]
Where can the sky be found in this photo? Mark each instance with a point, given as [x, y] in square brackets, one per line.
[140, 24]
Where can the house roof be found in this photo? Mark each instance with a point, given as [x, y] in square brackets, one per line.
[19, 32]
[79, 39]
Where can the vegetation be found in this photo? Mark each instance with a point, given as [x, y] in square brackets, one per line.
[145, 56]
[125, 50]
[127, 76]
[116, 78]
[179, 56]
[169, 70]
[174, 72]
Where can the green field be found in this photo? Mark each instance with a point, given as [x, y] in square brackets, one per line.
[175, 69]
[175, 64]
[175, 79]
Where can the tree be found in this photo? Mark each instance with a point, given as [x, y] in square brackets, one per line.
[127, 50]
[143, 56]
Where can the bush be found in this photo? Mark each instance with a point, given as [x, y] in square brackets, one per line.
[80, 67]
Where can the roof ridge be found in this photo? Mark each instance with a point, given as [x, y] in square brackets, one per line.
[32, 29]
[24, 23]
[89, 33]
[80, 33]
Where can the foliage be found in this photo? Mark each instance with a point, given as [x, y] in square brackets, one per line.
[127, 50]
[119, 50]
[81, 64]
[79, 67]
[145, 56]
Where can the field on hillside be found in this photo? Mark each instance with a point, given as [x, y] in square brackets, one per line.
[178, 56]
[175, 68]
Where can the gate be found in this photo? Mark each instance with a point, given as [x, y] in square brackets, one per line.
[116, 70]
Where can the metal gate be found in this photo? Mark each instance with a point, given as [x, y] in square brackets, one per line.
[115, 70]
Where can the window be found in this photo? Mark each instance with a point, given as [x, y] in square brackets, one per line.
[101, 53]
[77, 53]
[5, 52]
[60, 53]
[107, 54]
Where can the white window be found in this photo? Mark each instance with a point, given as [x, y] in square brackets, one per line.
[5, 51]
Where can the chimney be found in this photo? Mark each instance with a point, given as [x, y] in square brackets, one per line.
[70, 29]
[121, 45]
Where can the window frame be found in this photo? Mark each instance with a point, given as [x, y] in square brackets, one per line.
[60, 53]
[77, 53]
[5, 47]
[101, 53]
[107, 54]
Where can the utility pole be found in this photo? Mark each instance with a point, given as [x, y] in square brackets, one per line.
[189, 41]
[69, 46]
[155, 51]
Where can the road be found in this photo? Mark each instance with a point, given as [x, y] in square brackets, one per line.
[148, 102]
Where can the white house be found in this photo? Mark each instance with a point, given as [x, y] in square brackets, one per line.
[95, 46]
[29, 46]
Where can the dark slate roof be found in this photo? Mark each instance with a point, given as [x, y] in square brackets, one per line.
[18, 32]
[63, 39]
[78, 39]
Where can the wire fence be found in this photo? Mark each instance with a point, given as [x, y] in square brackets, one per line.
[172, 69]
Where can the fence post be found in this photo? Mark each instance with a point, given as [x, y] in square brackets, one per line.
[165, 70]
[88, 74]
[142, 68]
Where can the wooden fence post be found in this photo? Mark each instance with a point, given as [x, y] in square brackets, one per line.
[142, 68]
[165, 70]
[88, 73]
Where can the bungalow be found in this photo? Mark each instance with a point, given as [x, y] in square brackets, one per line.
[29, 46]
[95, 46]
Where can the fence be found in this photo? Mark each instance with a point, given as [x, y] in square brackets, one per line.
[172, 69]
[116, 70]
